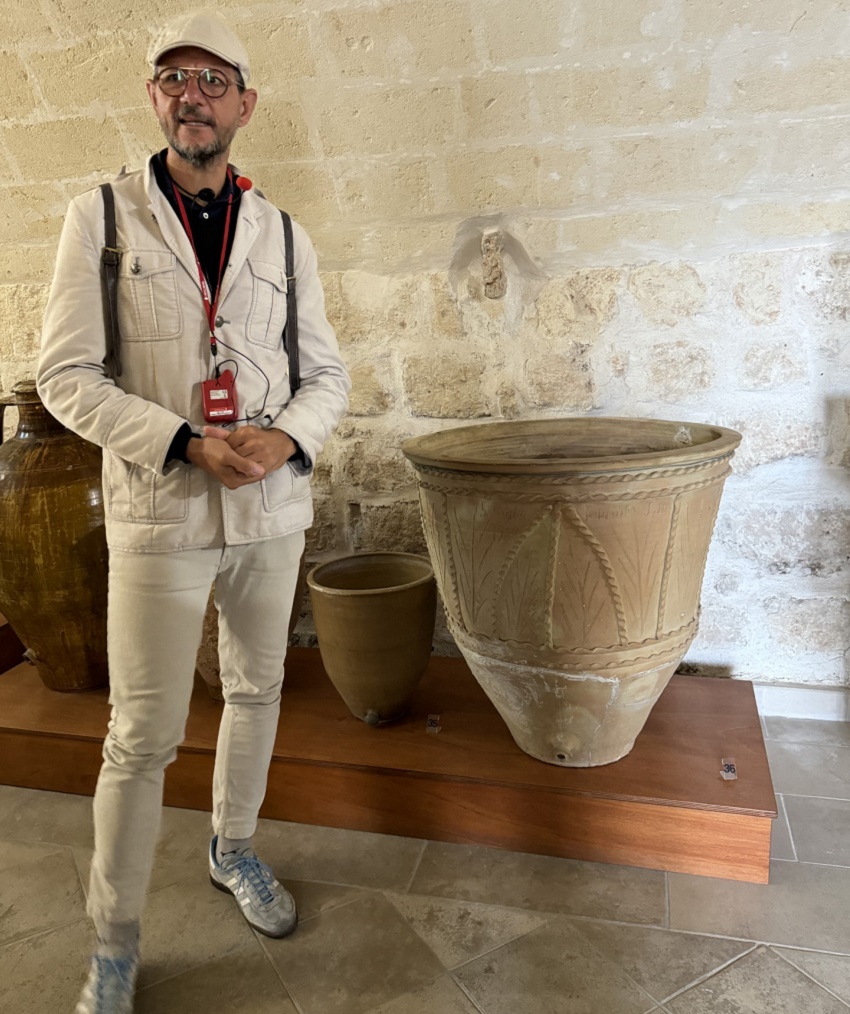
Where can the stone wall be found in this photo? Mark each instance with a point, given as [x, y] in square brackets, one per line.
[525, 208]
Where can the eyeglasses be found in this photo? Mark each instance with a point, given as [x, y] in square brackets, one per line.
[213, 83]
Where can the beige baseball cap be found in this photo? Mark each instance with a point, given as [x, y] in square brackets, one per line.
[204, 31]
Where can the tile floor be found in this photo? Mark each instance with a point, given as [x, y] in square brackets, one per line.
[400, 926]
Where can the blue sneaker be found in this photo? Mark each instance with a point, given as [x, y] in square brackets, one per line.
[264, 902]
[110, 986]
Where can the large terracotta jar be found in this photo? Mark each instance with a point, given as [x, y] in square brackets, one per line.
[53, 557]
[570, 555]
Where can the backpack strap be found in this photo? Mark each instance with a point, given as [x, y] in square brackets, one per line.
[290, 332]
[110, 258]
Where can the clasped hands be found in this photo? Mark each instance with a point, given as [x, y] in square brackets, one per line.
[239, 457]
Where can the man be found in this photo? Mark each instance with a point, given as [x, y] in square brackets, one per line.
[201, 300]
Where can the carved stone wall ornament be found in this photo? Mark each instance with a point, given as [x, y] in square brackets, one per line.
[570, 555]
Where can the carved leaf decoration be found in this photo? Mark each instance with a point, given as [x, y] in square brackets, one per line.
[438, 537]
[635, 538]
[483, 532]
[584, 611]
[521, 609]
[697, 514]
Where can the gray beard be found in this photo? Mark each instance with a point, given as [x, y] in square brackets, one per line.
[199, 157]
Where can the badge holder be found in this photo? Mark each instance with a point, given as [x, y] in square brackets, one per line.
[219, 397]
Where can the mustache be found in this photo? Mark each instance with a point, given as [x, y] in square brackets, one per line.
[193, 113]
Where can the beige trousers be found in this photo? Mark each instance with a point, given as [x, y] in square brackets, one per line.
[157, 603]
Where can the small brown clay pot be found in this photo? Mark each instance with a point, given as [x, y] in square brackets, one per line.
[374, 616]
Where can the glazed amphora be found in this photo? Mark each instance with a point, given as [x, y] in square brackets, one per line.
[570, 555]
[53, 556]
[374, 615]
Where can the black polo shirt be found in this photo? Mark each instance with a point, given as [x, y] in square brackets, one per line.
[206, 221]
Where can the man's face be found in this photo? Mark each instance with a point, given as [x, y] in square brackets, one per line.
[200, 129]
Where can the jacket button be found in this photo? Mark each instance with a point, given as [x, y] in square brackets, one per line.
[219, 320]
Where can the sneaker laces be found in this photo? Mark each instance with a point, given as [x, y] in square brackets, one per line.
[255, 875]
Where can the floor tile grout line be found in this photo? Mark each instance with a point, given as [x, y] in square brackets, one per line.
[27, 937]
[788, 825]
[467, 994]
[189, 968]
[710, 975]
[261, 940]
[416, 866]
[808, 975]
[805, 795]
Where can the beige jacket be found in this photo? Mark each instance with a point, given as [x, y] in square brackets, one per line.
[165, 351]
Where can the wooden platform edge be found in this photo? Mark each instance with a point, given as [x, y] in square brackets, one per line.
[675, 839]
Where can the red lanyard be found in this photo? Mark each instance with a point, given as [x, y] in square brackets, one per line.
[210, 306]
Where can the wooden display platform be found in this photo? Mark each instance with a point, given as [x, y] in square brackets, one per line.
[664, 806]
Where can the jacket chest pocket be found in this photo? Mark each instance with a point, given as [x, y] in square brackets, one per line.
[267, 316]
[148, 302]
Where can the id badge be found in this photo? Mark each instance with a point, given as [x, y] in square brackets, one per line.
[219, 397]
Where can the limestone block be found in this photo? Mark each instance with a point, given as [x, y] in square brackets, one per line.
[781, 86]
[769, 437]
[386, 527]
[758, 292]
[535, 28]
[559, 375]
[376, 121]
[807, 219]
[21, 318]
[676, 370]
[497, 106]
[24, 23]
[512, 177]
[667, 293]
[567, 176]
[397, 40]
[816, 624]
[643, 232]
[420, 38]
[27, 263]
[717, 20]
[772, 364]
[447, 319]
[368, 394]
[372, 462]
[722, 623]
[59, 149]
[566, 306]
[277, 132]
[804, 539]
[808, 154]
[386, 191]
[322, 536]
[710, 162]
[32, 213]
[280, 48]
[97, 70]
[18, 95]
[144, 135]
[12, 372]
[307, 192]
[828, 286]
[619, 96]
[605, 23]
[445, 386]
[378, 310]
